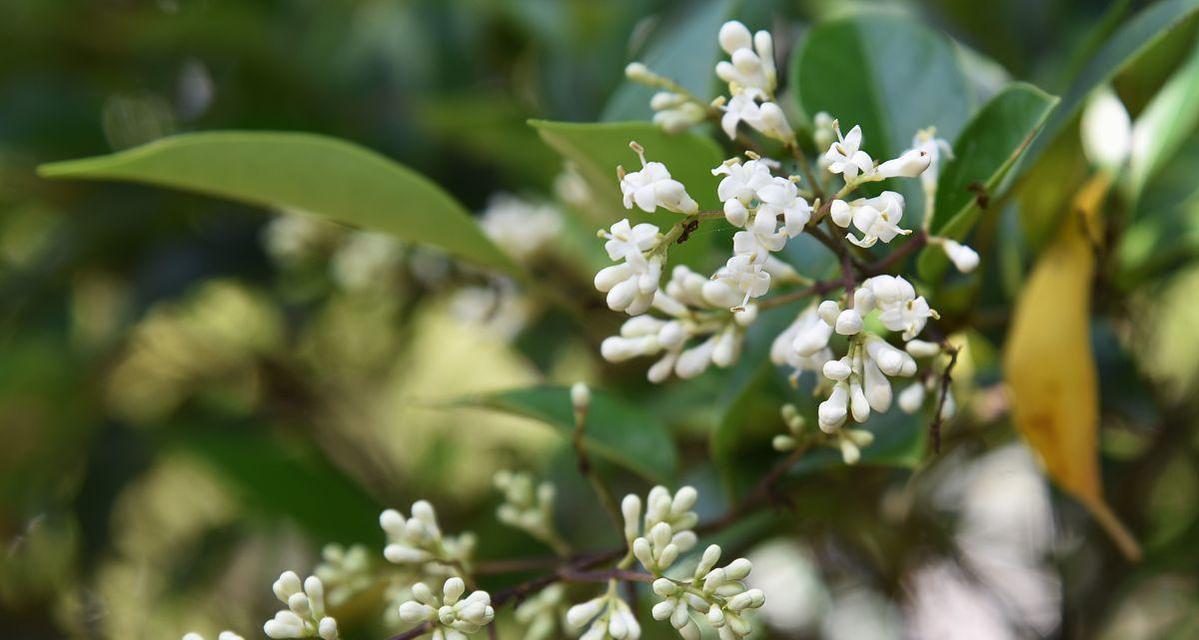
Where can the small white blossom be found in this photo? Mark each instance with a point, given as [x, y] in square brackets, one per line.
[630, 285]
[938, 150]
[742, 181]
[653, 187]
[900, 308]
[522, 229]
[747, 276]
[452, 616]
[878, 219]
[305, 615]
[845, 155]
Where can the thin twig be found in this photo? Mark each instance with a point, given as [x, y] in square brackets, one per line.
[607, 500]
[946, 379]
[757, 497]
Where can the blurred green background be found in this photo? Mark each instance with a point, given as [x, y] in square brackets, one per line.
[195, 395]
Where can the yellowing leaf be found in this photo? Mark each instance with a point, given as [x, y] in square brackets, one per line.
[1049, 366]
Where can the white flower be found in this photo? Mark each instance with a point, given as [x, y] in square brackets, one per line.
[624, 239]
[742, 181]
[845, 156]
[667, 526]
[909, 164]
[609, 617]
[366, 260]
[878, 219]
[781, 197]
[908, 317]
[912, 398]
[938, 150]
[1106, 130]
[652, 187]
[344, 572]
[752, 68]
[418, 539]
[746, 275]
[519, 227]
[305, 614]
[963, 257]
[741, 108]
[851, 442]
[453, 616]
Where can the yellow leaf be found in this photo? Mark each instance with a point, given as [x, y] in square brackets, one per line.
[1049, 367]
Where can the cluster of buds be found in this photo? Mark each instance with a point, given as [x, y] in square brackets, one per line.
[528, 507]
[848, 441]
[304, 616]
[540, 613]
[717, 593]
[667, 530]
[344, 572]
[418, 540]
[605, 616]
[452, 616]
[701, 329]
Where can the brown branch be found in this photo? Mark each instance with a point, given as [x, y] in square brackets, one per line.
[415, 632]
[759, 496]
[946, 379]
[914, 243]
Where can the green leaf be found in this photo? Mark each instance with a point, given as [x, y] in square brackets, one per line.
[984, 153]
[1134, 38]
[615, 431]
[686, 52]
[1166, 123]
[284, 481]
[899, 441]
[597, 149]
[886, 73]
[323, 176]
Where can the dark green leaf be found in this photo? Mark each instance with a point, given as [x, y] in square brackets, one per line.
[1165, 124]
[886, 73]
[987, 149]
[615, 431]
[686, 52]
[323, 176]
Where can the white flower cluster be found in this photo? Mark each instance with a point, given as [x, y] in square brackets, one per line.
[452, 616]
[528, 507]
[652, 186]
[540, 613]
[519, 227]
[846, 157]
[752, 79]
[667, 530]
[717, 593]
[345, 572]
[418, 540]
[608, 615]
[631, 284]
[304, 616]
[698, 308]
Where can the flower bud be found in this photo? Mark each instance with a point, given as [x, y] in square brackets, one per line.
[841, 213]
[849, 322]
[909, 165]
[963, 257]
[733, 36]
[580, 396]
[911, 398]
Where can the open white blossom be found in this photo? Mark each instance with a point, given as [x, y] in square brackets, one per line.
[652, 187]
[305, 615]
[631, 284]
[453, 617]
[900, 308]
[876, 218]
[845, 155]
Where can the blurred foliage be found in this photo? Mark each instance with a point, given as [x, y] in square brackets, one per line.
[194, 396]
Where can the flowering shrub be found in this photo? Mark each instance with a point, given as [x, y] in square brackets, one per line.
[782, 228]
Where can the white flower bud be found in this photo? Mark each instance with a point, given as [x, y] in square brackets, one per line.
[327, 629]
[630, 508]
[859, 407]
[963, 257]
[582, 613]
[1106, 130]
[849, 322]
[580, 396]
[638, 72]
[832, 412]
[922, 348]
[828, 311]
[733, 36]
[287, 585]
[812, 339]
[911, 398]
[909, 165]
[739, 569]
[841, 213]
[736, 213]
[837, 369]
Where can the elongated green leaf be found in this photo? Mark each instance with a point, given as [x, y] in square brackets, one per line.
[984, 153]
[323, 176]
[1165, 124]
[887, 73]
[598, 148]
[685, 51]
[1135, 37]
[615, 431]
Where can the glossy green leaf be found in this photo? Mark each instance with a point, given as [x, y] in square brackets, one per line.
[984, 153]
[1166, 123]
[886, 73]
[685, 51]
[596, 149]
[899, 441]
[1135, 37]
[617, 432]
[324, 176]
